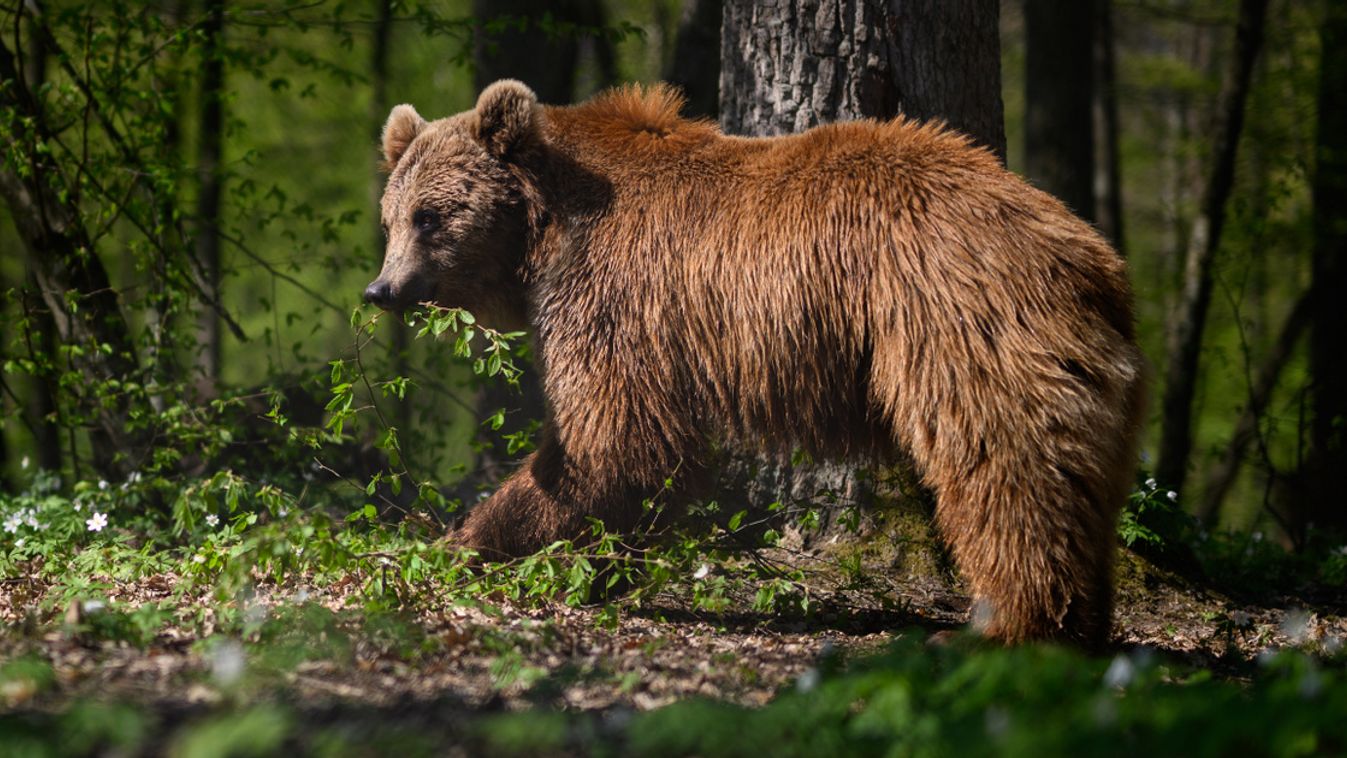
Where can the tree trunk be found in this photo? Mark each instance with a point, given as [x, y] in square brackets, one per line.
[399, 335]
[67, 270]
[45, 408]
[1328, 361]
[789, 65]
[695, 67]
[1185, 340]
[511, 43]
[210, 149]
[1222, 477]
[42, 340]
[1059, 101]
[1108, 164]
[525, 51]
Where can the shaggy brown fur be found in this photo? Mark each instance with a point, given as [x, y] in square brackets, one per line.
[856, 290]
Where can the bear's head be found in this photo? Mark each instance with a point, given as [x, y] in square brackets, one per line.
[453, 210]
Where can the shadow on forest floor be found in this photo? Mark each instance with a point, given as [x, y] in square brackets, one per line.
[320, 665]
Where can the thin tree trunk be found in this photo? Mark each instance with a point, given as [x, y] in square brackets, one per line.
[1222, 476]
[695, 67]
[379, 105]
[43, 403]
[547, 64]
[523, 50]
[210, 151]
[45, 410]
[64, 264]
[1185, 341]
[789, 65]
[1328, 361]
[5, 485]
[1059, 101]
[1108, 212]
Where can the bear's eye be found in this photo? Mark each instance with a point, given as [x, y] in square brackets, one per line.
[426, 220]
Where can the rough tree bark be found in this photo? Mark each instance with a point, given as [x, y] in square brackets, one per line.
[1059, 100]
[1328, 361]
[1185, 339]
[210, 151]
[787, 65]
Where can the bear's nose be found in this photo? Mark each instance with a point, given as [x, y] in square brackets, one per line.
[379, 293]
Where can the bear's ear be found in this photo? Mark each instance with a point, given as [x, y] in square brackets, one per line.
[403, 124]
[507, 117]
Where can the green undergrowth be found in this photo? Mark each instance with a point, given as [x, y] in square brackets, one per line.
[921, 700]
[913, 699]
[266, 569]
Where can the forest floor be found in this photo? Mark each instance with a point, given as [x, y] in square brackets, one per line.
[436, 666]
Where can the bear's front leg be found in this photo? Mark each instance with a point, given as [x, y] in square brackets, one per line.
[552, 497]
[518, 519]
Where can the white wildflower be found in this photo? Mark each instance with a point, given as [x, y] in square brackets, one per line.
[198, 558]
[19, 542]
[1311, 684]
[102, 484]
[1151, 484]
[97, 523]
[30, 518]
[1120, 673]
[981, 615]
[808, 680]
[997, 721]
[23, 464]
[226, 662]
[1173, 496]
[701, 571]
[1332, 644]
[1298, 626]
[12, 524]
[212, 520]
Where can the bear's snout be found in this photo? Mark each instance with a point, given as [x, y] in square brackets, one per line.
[380, 293]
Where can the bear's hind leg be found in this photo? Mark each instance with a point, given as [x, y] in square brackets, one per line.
[1036, 543]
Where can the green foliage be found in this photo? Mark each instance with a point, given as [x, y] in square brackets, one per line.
[324, 455]
[922, 700]
[1152, 516]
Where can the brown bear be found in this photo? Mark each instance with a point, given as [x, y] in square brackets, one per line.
[858, 290]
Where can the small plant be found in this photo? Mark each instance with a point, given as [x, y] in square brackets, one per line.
[1151, 516]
